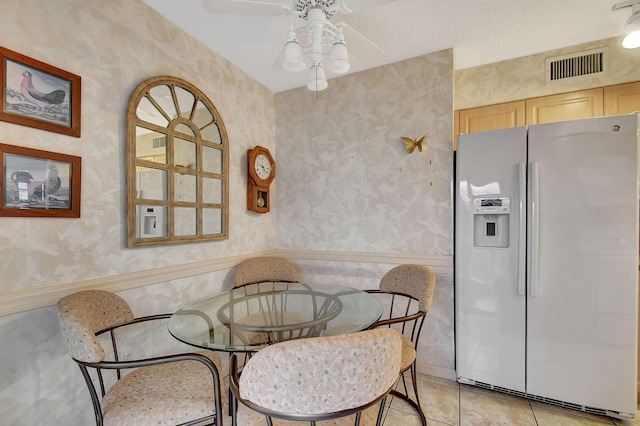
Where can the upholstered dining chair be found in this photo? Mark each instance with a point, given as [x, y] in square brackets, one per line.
[182, 389]
[263, 269]
[406, 292]
[334, 380]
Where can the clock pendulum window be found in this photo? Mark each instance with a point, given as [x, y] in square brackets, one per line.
[261, 172]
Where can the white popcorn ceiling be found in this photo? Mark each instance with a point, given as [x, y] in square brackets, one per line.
[479, 31]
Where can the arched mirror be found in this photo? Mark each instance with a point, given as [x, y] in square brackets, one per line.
[177, 165]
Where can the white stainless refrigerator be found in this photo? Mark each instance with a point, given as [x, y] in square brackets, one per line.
[546, 262]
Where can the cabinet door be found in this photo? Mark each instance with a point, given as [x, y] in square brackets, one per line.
[491, 117]
[622, 99]
[564, 107]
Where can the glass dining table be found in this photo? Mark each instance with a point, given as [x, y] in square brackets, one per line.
[252, 316]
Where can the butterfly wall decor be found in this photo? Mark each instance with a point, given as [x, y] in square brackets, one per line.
[189, 165]
[411, 144]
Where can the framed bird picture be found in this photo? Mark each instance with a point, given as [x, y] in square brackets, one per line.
[38, 95]
[37, 183]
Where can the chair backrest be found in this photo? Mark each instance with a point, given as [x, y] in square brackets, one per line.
[266, 268]
[417, 281]
[272, 312]
[84, 313]
[323, 375]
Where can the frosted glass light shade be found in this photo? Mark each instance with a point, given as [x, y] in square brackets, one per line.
[339, 60]
[632, 40]
[293, 60]
[317, 79]
[632, 29]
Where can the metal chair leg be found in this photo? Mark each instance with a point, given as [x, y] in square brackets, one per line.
[405, 396]
[414, 379]
[233, 408]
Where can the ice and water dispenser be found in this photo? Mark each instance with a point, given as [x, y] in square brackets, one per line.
[491, 221]
[151, 221]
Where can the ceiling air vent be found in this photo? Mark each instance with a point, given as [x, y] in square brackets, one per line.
[159, 142]
[577, 65]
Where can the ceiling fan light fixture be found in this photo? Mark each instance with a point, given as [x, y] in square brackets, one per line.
[632, 26]
[293, 60]
[338, 62]
[317, 79]
[631, 40]
[322, 41]
[632, 31]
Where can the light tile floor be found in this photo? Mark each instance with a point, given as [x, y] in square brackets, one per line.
[447, 403]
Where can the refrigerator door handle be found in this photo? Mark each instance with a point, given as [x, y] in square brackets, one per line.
[522, 229]
[535, 228]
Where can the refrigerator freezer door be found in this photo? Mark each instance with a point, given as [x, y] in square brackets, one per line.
[582, 314]
[489, 299]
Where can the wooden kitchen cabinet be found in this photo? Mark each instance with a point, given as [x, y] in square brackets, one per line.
[609, 100]
[492, 117]
[622, 98]
[565, 106]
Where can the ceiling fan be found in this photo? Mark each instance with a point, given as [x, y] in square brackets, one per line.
[323, 42]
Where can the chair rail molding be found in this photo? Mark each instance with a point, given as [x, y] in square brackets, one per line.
[40, 297]
[352, 256]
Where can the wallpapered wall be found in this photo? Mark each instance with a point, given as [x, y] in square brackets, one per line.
[525, 77]
[346, 183]
[113, 46]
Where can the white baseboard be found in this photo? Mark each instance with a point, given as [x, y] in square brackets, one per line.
[434, 370]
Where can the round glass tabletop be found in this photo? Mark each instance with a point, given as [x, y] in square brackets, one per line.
[250, 317]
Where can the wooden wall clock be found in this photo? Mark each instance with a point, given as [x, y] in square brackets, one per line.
[261, 171]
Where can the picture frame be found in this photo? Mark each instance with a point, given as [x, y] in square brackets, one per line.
[36, 183]
[39, 95]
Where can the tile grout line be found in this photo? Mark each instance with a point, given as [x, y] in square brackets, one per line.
[535, 418]
[459, 406]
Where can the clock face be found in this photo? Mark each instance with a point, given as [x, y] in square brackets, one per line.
[262, 166]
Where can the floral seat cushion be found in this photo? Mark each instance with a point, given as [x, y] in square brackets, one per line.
[185, 387]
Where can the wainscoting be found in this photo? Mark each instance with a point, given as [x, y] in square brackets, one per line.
[356, 269]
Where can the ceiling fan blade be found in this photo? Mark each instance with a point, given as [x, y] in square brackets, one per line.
[360, 46]
[348, 6]
[246, 7]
